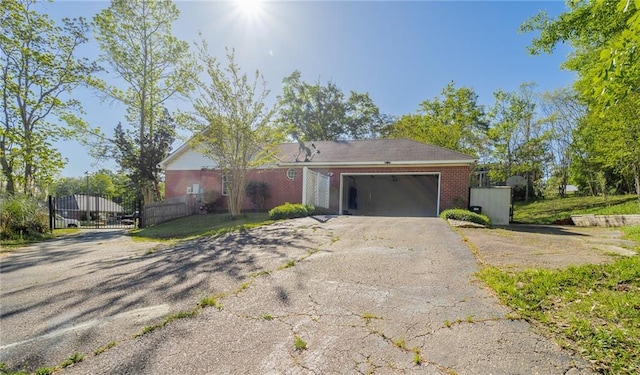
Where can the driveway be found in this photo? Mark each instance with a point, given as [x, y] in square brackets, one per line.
[361, 295]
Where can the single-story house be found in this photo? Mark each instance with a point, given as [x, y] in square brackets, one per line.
[374, 177]
[77, 206]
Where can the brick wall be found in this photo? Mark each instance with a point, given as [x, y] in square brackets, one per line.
[454, 183]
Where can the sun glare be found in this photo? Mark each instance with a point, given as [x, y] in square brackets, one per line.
[249, 8]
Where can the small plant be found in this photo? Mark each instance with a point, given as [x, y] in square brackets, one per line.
[43, 371]
[210, 301]
[267, 317]
[104, 348]
[289, 264]
[75, 358]
[400, 343]
[470, 319]
[258, 192]
[167, 320]
[447, 323]
[417, 359]
[245, 285]
[299, 343]
[464, 215]
[260, 273]
[369, 316]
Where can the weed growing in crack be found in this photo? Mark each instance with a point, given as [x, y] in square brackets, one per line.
[299, 343]
[167, 320]
[43, 371]
[245, 285]
[260, 273]
[289, 264]
[417, 359]
[400, 343]
[75, 358]
[470, 319]
[104, 348]
[267, 317]
[447, 323]
[210, 301]
[368, 316]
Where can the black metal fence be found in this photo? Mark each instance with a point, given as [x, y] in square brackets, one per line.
[94, 211]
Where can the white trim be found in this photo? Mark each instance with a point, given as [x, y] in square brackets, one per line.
[389, 174]
[305, 171]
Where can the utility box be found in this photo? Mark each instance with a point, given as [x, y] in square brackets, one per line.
[476, 209]
[495, 202]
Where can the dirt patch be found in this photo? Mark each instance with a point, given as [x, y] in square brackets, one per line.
[546, 246]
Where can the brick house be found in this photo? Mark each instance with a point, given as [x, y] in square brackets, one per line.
[375, 177]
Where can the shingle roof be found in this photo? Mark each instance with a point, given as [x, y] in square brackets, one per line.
[372, 151]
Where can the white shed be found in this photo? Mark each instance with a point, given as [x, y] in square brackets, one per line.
[495, 202]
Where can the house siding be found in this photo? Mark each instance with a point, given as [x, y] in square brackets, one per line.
[454, 183]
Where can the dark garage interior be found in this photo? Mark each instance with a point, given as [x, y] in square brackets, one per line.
[390, 195]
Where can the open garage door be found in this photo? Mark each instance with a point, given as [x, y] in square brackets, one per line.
[390, 194]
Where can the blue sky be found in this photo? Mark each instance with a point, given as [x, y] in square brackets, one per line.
[401, 53]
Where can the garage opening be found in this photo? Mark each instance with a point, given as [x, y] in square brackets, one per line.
[389, 194]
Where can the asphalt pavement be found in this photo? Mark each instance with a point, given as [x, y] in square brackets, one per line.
[338, 296]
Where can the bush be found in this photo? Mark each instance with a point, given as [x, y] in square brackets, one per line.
[258, 192]
[465, 215]
[22, 216]
[211, 201]
[290, 211]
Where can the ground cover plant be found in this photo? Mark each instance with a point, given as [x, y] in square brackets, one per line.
[465, 215]
[559, 210]
[592, 309]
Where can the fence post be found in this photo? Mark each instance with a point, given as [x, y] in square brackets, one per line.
[51, 213]
[140, 214]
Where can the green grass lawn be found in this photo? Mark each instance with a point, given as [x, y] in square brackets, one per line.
[549, 211]
[201, 225]
[592, 309]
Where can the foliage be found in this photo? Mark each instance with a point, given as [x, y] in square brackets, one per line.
[202, 225]
[605, 36]
[315, 112]
[258, 193]
[137, 43]
[22, 217]
[232, 123]
[101, 182]
[38, 71]
[298, 343]
[563, 111]
[593, 309]
[455, 121]
[520, 142]
[465, 215]
[559, 210]
[211, 201]
[290, 211]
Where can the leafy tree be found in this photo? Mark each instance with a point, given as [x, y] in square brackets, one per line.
[455, 121]
[38, 71]
[605, 36]
[137, 43]
[232, 123]
[520, 140]
[322, 113]
[564, 111]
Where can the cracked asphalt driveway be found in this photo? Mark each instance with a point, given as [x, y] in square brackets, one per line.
[360, 294]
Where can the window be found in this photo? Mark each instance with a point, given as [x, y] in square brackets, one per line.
[225, 182]
[292, 173]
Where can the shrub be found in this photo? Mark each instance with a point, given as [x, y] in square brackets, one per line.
[22, 216]
[465, 215]
[289, 211]
[211, 201]
[257, 192]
